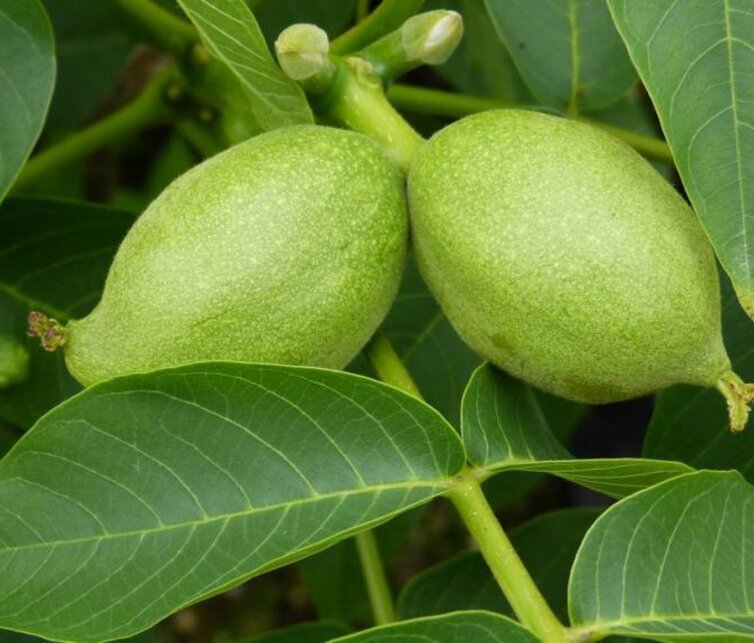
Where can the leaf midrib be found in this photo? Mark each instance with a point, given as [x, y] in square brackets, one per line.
[437, 485]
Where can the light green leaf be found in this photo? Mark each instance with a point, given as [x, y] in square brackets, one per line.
[318, 632]
[147, 493]
[27, 78]
[54, 256]
[231, 33]
[457, 627]
[672, 562]
[547, 546]
[504, 429]
[567, 51]
[689, 425]
[696, 59]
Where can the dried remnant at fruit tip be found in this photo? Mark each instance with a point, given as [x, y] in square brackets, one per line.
[739, 395]
[50, 331]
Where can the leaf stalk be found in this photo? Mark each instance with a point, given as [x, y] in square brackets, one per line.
[509, 571]
[377, 584]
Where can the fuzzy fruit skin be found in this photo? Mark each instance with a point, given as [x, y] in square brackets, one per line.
[561, 256]
[286, 248]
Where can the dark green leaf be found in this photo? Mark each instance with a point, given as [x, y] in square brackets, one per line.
[459, 627]
[690, 425]
[147, 493]
[27, 78]
[54, 256]
[696, 59]
[304, 633]
[92, 44]
[547, 545]
[568, 51]
[232, 34]
[504, 429]
[672, 562]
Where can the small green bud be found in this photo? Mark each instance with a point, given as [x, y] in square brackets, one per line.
[302, 51]
[14, 361]
[432, 37]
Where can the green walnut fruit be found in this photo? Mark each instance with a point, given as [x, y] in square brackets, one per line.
[286, 248]
[561, 256]
[14, 361]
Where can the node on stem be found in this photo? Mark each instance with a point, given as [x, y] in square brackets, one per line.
[739, 395]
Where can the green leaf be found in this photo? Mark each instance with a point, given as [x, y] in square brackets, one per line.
[504, 429]
[147, 493]
[27, 78]
[231, 33]
[54, 257]
[547, 546]
[567, 51]
[319, 632]
[672, 562]
[689, 424]
[92, 45]
[696, 61]
[458, 627]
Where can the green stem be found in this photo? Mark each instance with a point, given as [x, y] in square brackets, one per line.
[168, 30]
[374, 574]
[357, 101]
[442, 103]
[390, 15]
[388, 366]
[528, 603]
[148, 109]
[436, 102]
